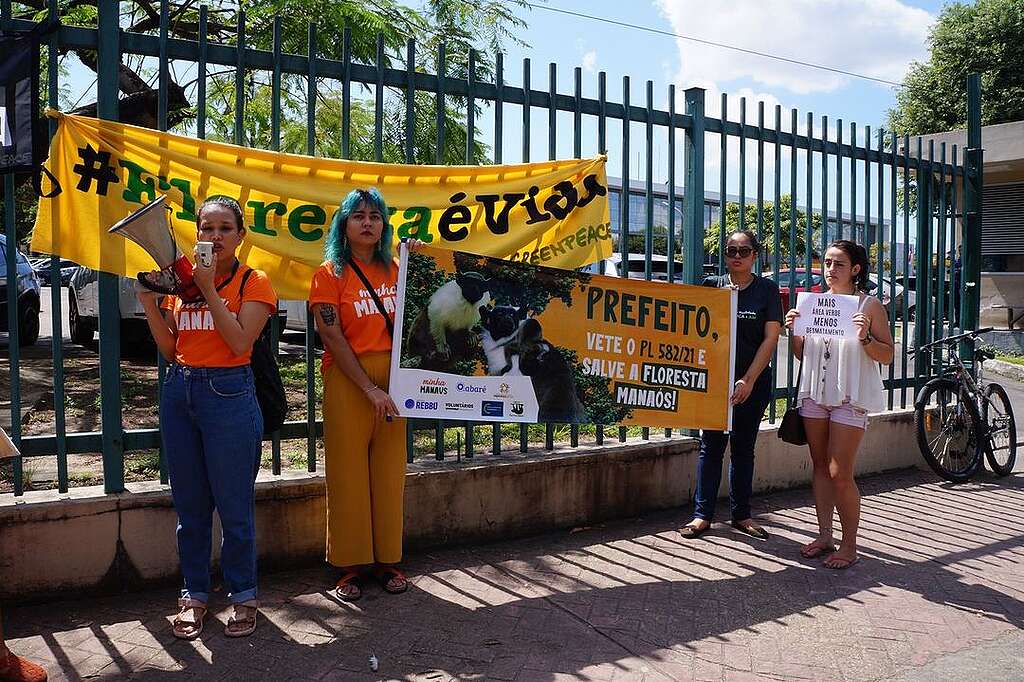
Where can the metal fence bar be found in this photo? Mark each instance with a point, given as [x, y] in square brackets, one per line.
[723, 142]
[906, 262]
[759, 222]
[776, 228]
[56, 315]
[109, 59]
[743, 163]
[839, 179]
[309, 349]
[892, 273]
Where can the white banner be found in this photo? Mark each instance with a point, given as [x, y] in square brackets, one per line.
[826, 315]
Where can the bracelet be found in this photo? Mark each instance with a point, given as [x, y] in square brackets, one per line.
[371, 389]
[866, 340]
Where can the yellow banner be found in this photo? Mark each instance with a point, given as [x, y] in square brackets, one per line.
[553, 213]
[489, 340]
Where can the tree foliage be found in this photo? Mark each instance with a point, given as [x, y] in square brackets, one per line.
[985, 37]
[767, 236]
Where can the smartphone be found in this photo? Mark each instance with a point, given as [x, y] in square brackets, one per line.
[204, 253]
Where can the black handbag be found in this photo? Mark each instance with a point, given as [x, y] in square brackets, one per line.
[267, 376]
[791, 428]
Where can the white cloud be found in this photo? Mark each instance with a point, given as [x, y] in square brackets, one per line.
[589, 61]
[877, 38]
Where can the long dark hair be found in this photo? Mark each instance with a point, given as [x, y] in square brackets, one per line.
[755, 243]
[857, 256]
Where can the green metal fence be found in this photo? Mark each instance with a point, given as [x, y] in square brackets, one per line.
[877, 188]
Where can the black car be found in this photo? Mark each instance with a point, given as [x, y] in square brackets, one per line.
[28, 296]
[44, 269]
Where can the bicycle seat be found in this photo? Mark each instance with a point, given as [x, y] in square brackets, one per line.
[983, 354]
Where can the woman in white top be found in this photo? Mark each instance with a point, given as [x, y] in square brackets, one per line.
[839, 385]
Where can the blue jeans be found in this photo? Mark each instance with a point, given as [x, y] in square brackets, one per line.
[746, 420]
[212, 432]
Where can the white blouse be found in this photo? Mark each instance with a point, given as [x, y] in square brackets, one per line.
[839, 370]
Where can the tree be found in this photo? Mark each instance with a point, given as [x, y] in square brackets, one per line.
[767, 236]
[462, 25]
[986, 37]
[659, 241]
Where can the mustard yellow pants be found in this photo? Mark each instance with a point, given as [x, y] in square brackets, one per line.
[365, 470]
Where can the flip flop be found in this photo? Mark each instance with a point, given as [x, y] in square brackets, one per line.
[846, 563]
[689, 532]
[812, 550]
[751, 530]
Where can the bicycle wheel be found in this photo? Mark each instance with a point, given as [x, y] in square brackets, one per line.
[1001, 444]
[948, 430]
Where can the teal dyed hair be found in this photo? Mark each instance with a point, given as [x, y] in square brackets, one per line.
[337, 249]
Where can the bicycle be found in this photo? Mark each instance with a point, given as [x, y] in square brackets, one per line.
[972, 418]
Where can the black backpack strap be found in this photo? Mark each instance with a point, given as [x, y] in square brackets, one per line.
[376, 298]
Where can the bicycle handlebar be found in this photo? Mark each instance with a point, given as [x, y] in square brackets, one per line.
[955, 338]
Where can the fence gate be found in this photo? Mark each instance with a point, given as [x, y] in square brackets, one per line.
[813, 180]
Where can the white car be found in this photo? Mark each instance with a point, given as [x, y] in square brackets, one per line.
[84, 308]
[897, 295]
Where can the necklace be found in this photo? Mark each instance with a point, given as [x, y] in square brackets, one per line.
[828, 356]
[739, 287]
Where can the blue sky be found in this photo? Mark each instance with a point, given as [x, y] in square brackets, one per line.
[874, 37]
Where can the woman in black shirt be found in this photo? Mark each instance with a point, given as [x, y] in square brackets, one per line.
[759, 321]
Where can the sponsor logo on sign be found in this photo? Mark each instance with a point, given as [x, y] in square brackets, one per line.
[409, 402]
[426, 405]
[434, 386]
[470, 388]
[503, 390]
[516, 408]
[492, 408]
[458, 407]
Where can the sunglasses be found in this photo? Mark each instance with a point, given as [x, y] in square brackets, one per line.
[738, 251]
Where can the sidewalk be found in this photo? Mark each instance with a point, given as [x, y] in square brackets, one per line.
[939, 584]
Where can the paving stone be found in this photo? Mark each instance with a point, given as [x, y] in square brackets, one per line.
[626, 600]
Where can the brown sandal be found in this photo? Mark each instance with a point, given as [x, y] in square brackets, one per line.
[348, 587]
[242, 622]
[691, 531]
[188, 624]
[388, 575]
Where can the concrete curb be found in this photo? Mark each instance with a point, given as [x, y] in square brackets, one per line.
[1008, 370]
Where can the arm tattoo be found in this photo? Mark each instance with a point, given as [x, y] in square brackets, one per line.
[328, 314]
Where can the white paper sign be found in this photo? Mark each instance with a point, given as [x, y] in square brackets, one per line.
[826, 315]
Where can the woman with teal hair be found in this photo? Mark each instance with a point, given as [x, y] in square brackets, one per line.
[352, 298]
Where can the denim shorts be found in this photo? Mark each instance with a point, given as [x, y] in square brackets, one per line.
[845, 414]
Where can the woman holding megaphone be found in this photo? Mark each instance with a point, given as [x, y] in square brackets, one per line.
[211, 424]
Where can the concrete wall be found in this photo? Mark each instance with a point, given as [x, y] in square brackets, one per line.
[88, 541]
[1000, 288]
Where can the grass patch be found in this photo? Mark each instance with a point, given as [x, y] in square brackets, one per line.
[1014, 359]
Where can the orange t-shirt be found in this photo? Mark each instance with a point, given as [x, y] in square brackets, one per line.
[198, 343]
[361, 322]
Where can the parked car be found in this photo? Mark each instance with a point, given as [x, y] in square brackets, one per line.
[44, 269]
[84, 308]
[609, 267]
[659, 268]
[28, 296]
[888, 297]
[795, 281]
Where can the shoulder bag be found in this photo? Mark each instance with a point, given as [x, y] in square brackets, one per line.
[266, 375]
